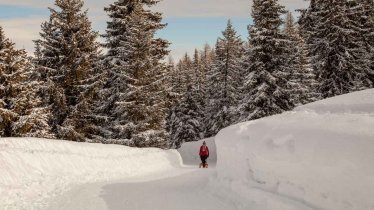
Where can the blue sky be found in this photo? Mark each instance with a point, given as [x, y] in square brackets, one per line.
[189, 33]
[11, 11]
[191, 23]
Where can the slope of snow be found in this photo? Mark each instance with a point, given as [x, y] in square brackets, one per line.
[320, 155]
[33, 170]
[190, 152]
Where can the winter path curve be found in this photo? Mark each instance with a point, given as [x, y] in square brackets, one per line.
[182, 188]
[178, 188]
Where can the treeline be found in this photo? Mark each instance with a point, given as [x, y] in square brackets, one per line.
[283, 64]
[129, 95]
[70, 90]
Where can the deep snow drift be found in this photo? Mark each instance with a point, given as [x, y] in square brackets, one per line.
[321, 155]
[34, 170]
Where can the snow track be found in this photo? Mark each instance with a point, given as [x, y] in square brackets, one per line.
[182, 188]
[318, 157]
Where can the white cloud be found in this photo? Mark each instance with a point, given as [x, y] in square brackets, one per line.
[204, 8]
[176, 8]
[24, 30]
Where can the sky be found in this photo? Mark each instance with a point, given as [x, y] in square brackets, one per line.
[191, 23]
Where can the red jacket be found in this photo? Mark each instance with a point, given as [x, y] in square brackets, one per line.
[204, 150]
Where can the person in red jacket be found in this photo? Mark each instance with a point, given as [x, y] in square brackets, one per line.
[204, 154]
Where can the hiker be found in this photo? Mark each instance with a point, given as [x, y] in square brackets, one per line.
[204, 154]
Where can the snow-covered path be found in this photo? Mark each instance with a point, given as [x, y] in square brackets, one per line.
[182, 189]
[126, 194]
[185, 192]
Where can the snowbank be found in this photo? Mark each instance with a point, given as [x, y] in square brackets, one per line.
[33, 170]
[190, 152]
[320, 155]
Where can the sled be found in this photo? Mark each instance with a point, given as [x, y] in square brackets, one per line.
[202, 165]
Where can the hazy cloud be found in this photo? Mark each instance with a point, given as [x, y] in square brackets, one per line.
[176, 8]
[24, 30]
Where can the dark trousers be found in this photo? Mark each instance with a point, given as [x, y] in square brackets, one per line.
[203, 159]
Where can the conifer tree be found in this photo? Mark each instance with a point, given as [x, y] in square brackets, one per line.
[174, 97]
[302, 83]
[187, 71]
[198, 75]
[69, 51]
[182, 70]
[363, 12]
[137, 74]
[12, 75]
[186, 120]
[338, 53]
[188, 112]
[34, 117]
[224, 81]
[20, 114]
[198, 87]
[172, 74]
[197, 70]
[265, 88]
[207, 57]
[172, 83]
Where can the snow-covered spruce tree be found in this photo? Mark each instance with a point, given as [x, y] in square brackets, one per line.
[197, 74]
[173, 97]
[20, 114]
[302, 83]
[137, 74]
[224, 81]
[186, 120]
[13, 65]
[369, 8]
[265, 86]
[338, 53]
[179, 77]
[363, 12]
[190, 107]
[177, 90]
[35, 116]
[172, 83]
[172, 74]
[69, 51]
[207, 56]
[187, 72]
[199, 88]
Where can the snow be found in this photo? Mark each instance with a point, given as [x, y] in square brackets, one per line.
[183, 189]
[190, 152]
[317, 157]
[35, 170]
[320, 155]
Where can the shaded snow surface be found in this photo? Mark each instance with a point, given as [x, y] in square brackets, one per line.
[318, 157]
